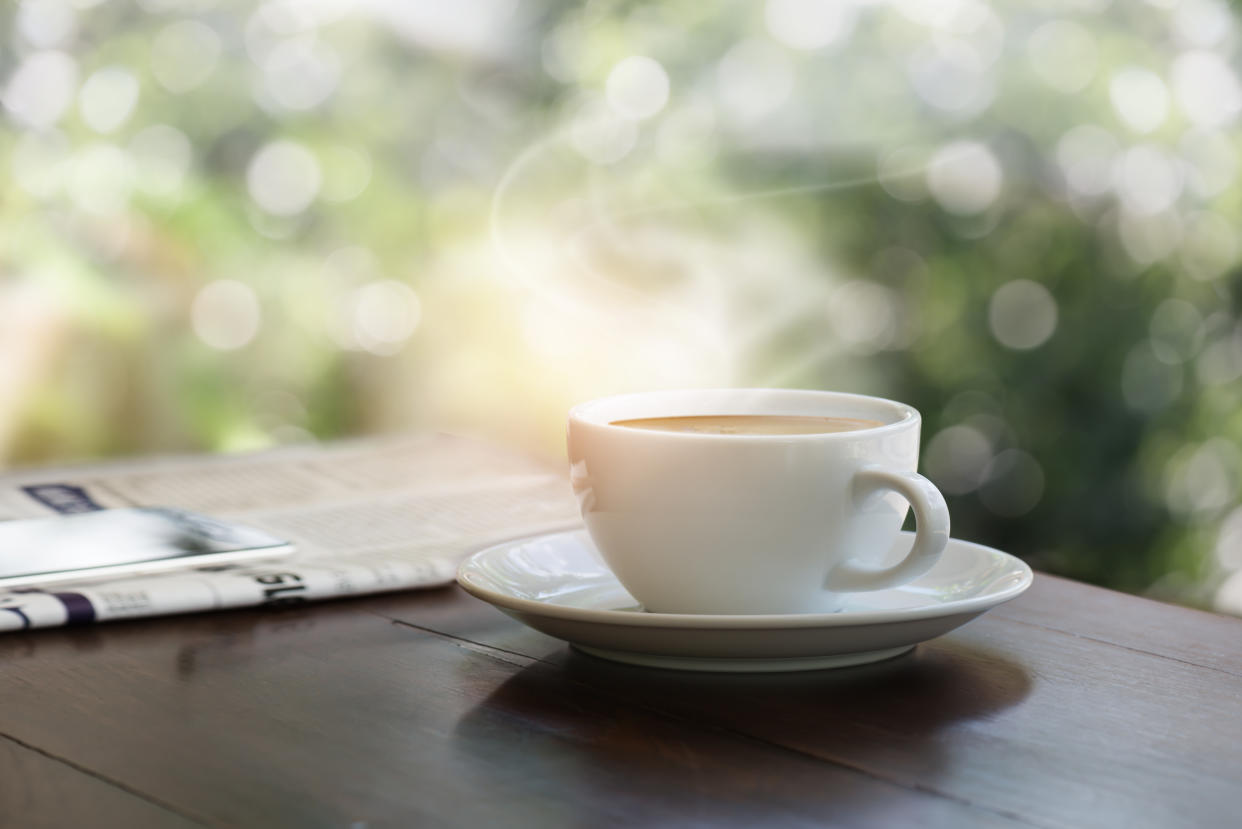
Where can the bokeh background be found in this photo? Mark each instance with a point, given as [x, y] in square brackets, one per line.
[227, 225]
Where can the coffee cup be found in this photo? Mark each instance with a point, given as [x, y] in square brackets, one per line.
[753, 501]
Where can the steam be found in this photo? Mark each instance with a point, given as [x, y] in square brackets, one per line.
[722, 294]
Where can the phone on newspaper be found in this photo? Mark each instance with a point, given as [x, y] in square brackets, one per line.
[119, 542]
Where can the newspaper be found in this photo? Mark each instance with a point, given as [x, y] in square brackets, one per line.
[367, 516]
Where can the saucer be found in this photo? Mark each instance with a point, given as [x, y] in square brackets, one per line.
[558, 584]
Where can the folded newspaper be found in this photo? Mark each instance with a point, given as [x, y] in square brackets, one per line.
[367, 516]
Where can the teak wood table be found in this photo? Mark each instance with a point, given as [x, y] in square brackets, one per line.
[1071, 706]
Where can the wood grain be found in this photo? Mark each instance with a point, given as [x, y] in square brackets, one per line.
[1210, 640]
[1071, 706]
[38, 791]
[1000, 714]
[334, 716]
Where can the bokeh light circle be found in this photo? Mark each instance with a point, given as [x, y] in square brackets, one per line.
[46, 23]
[1063, 54]
[1149, 237]
[1147, 180]
[108, 98]
[41, 89]
[1202, 480]
[965, 177]
[184, 54]
[1228, 547]
[864, 315]
[225, 314]
[1176, 329]
[956, 459]
[1210, 246]
[1013, 485]
[102, 179]
[1086, 154]
[1206, 88]
[753, 80]
[283, 178]
[1220, 362]
[1140, 98]
[810, 24]
[385, 314]
[1022, 314]
[1147, 383]
[162, 155]
[951, 76]
[600, 135]
[1210, 161]
[299, 74]
[1202, 22]
[637, 87]
[41, 162]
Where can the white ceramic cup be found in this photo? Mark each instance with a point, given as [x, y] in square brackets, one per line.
[724, 524]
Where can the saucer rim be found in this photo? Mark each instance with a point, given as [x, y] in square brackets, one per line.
[844, 618]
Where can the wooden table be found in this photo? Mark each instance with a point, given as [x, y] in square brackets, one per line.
[1071, 706]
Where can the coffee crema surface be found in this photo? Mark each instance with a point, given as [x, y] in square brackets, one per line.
[757, 424]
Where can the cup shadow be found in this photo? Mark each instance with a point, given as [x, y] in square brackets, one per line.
[916, 694]
[892, 720]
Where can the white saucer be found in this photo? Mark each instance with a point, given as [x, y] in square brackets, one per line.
[559, 585]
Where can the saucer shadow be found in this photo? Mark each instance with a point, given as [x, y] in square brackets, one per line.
[937, 684]
[855, 733]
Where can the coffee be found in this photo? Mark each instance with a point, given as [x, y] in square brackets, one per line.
[750, 424]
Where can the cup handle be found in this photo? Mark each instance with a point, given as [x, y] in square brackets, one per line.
[931, 516]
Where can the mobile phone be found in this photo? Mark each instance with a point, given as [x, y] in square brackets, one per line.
[116, 542]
